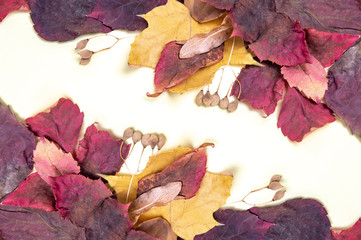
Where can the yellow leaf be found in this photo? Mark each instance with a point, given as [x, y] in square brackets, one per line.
[120, 182]
[240, 56]
[195, 215]
[165, 23]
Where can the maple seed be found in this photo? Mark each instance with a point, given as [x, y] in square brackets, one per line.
[128, 133]
[153, 140]
[86, 54]
[279, 195]
[275, 186]
[207, 99]
[161, 141]
[224, 103]
[136, 137]
[84, 61]
[199, 98]
[82, 44]
[146, 140]
[215, 99]
[232, 106]
[275, 178]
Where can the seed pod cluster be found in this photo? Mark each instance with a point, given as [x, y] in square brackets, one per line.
[209, 99]
[146, 140]
[275, 185]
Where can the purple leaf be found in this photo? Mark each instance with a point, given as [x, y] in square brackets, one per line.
[328, 47]
[28, 223]
[124, 14]
[236, 225]
[61, 125]
[342, 16]
[64, 20]
[262, 86]
[221, 4]
[17, 144]
[344, 88]
[98, 152]
[33, 192]
[139, 235]
[296, 219]
[299, 115]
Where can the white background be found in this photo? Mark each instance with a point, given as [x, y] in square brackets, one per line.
[35, 73]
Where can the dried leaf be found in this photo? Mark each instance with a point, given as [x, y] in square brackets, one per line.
[261, 86]
[99, 153]
[298, 115]
[201, 11]
[61, 125]
[188, 169]
[139, 235]
[50, 161]
[120, 182]
[308, 78]
[344, 88]
[205, 42]
[352, 233]
[171, 70]
[221, 4]
[165, 24]
[17, 144]
[158, 228]
[194, 216]
[7, 6]
[155, 197]
[33, 192]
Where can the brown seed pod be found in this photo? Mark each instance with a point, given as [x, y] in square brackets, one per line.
[279, 195]
[215, 99]
[207, 99]
[199, 98]
[84, 61]
[128, 133]
[161, 141]
[86, 54]
[146, 140]
[275, 178]
[153, 140]
[81, 44]
[232, 106]
[224, 103]
[136, 137]
[275, 186]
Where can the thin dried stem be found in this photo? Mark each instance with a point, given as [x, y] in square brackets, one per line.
[249, 193]
[230, 55]
[130, 184]
[220, 81]
[140, 159]
[125, 163]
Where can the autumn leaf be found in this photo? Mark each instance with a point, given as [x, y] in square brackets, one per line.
[221, 4]
[61, 124]
[240, 56]
[201, 11]
[122, 182]
[33, 192]
[50, 161]
[7, 6]
[138, 235]
[158, 228]
[16, 154]
[194, 216]
[165, 24]
[352, 233]
[308, 78]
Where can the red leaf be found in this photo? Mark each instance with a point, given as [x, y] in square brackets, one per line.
[28, 223]
[98, 152]
[7, 6]
[299, 114]
[282, 43]
[17, 144]
[61, 125]
[353, 233]
[124, 14]
[50, 161]
[189, 169]
[221, 4]
[261, 86]
[328, 47]
[171, 70]
[33, 192]
[308, 78]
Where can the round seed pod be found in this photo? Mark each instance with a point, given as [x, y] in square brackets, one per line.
[279, 195]
[84, 61]
[161, 141]
[224, 103]
[275, 186]
[145, 140]
[199, 98]
[128, 133]
[215, 99]
[232, 106]
[136, 137]
[207, 99]
[81, 44]
[86, 54]
[275, 178]
[153, 140]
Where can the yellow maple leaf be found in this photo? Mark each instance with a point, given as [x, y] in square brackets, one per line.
[165, 23]
[195, 215]
[120, 182]
[240, 56]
